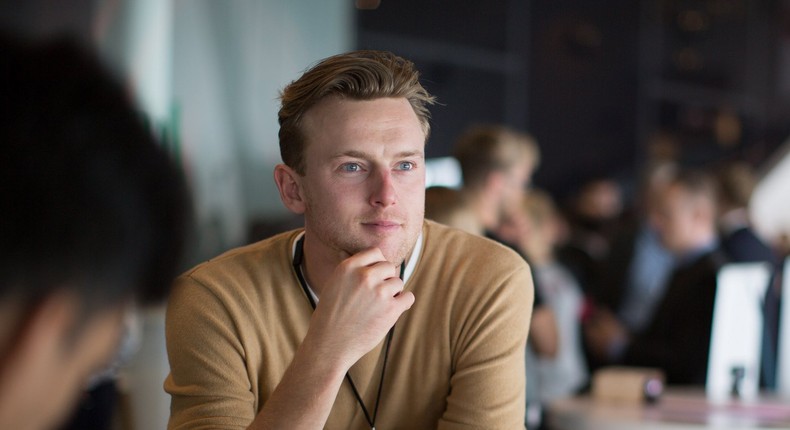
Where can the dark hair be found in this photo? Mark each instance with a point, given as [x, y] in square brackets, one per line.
[358, 75]
[90, 202]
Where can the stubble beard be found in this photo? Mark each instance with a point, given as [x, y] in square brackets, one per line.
[335, 235]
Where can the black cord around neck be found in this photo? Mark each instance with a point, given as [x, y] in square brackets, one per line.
[298, 257]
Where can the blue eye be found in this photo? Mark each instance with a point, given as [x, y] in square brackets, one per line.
[351, 167]
[405, 165]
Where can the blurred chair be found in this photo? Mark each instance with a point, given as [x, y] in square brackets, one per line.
[737, 331]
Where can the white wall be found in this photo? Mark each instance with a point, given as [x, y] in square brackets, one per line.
[231, 58]
[208, 73]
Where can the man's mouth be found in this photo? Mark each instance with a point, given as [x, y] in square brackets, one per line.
[382, 225]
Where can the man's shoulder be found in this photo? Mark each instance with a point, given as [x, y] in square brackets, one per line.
[268, 253]
[703, 271]
[743, 245]
[462, 269]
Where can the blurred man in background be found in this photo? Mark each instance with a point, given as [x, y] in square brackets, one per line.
[497, 164]
[677, 337]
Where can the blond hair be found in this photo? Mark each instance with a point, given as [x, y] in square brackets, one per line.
[358, 75]
[483, 149]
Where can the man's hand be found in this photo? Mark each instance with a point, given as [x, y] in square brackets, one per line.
[359, 303]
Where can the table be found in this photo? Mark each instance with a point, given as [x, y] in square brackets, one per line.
[677, 409]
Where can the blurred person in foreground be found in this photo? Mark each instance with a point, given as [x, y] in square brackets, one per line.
[93, 223]
[677, 337]
[369, 316]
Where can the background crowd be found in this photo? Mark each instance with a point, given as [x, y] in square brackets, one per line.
[621, 277]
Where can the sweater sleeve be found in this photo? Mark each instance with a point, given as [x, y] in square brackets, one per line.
[209, 384]
[487, 386]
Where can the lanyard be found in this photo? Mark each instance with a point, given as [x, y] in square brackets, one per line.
[298, 257]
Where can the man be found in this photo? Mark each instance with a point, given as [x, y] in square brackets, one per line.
[677, 337]
[497, 164]
[369, 316]
[634, 274]
[93, 221]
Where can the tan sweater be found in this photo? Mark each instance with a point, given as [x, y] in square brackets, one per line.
[456, 359]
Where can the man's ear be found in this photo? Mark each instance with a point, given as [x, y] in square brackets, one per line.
[290, 186]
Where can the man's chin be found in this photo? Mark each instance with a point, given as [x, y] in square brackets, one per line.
[395, 253]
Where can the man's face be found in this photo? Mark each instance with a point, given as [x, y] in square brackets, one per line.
[676, 218]
[516, 180]
[364, 183]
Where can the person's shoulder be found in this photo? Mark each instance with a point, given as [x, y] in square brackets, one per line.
[471, 268]
[269, 252]
[743, 245]
[456, 243]
[244, 282]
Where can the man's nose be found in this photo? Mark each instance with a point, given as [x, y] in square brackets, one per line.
[383, 188]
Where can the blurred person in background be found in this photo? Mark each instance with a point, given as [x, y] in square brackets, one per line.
[738, 238]
[93, 223]
[677, 336]
[535, 227]
[635, 272]
[593, 215]
[446, 205]
[497, 164]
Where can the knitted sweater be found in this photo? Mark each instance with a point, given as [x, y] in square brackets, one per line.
[456, 359]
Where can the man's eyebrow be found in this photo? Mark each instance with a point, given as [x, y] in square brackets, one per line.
[407, 154]
[363, 155]
[351, 153]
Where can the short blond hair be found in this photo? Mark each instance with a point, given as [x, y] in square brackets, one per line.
[486, 148]
[357, 75]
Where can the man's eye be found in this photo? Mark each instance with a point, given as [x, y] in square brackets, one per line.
[405, 165]
[351, 167]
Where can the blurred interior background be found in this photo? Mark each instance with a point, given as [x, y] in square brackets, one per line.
[603, 86]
